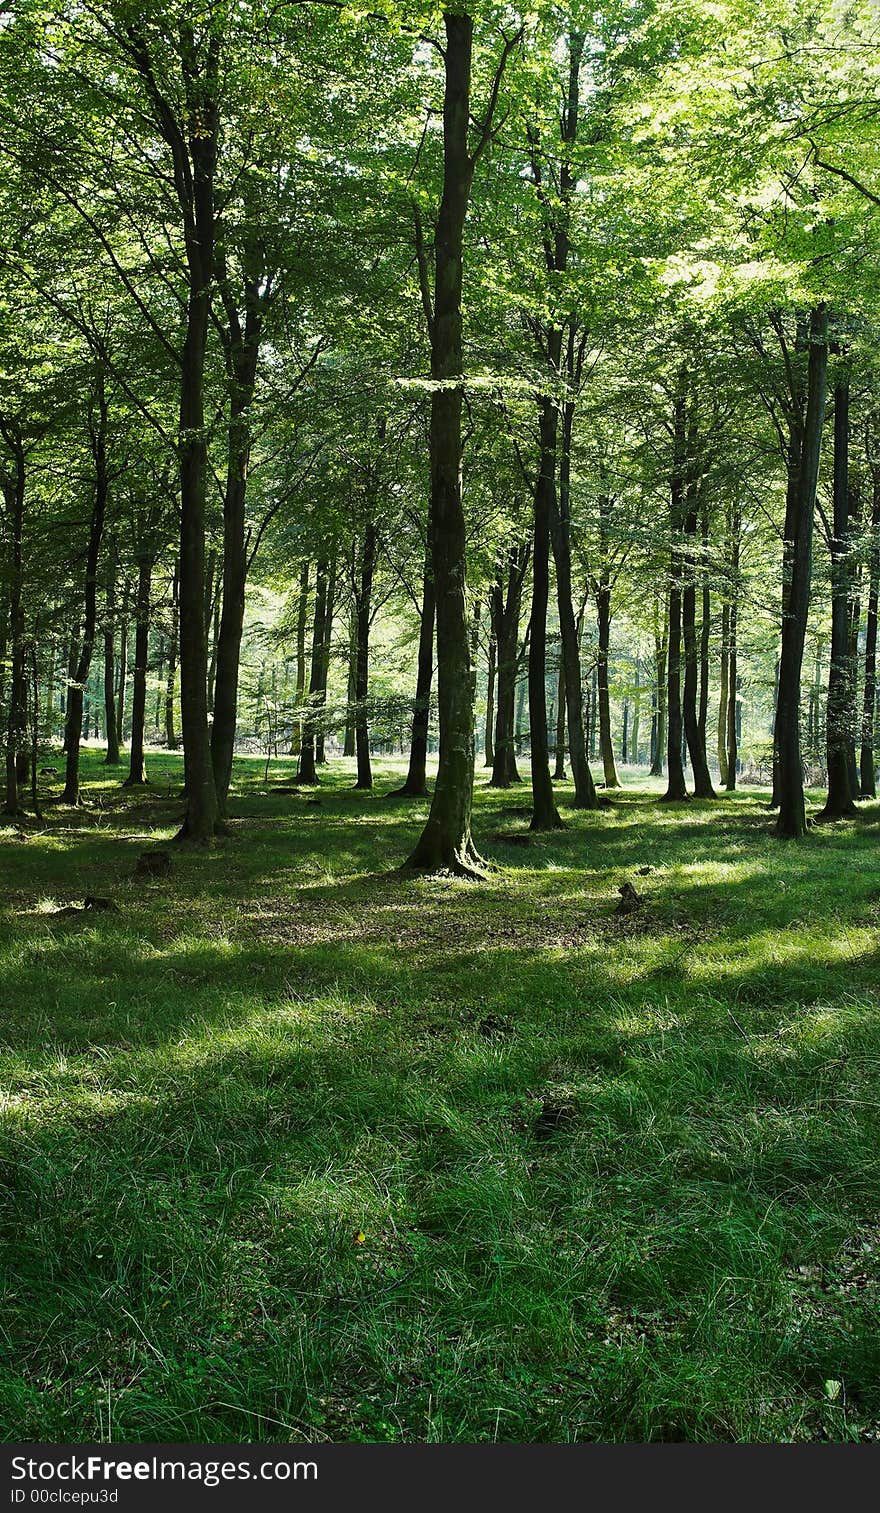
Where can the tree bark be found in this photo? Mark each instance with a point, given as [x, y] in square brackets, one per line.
[190, 128]
[112, 759]
[585, 795]
[242, 350]
[489, 728]
[798, 547]
[300, 685]
[123, 665]
[506, 605]
[676, 788]
[603, 696]
[306, 772]
[326, 651]
[416, 785]
[171, 679]
[545, 815]
[74, 719]
[16, 726]
[732, 653]
[868, 784]
[363, 606]
[658, 721]
[838, 724]
[695, 737]
[559, 747]
[723, 694]
[446, 841]
[137, 770]
[348, 749]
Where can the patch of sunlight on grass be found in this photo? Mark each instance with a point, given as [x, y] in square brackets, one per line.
[727, 958]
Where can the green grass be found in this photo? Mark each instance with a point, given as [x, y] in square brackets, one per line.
[294, 1147]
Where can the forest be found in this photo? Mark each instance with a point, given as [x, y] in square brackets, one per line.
[439, 578]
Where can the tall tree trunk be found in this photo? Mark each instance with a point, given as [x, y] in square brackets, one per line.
[301, 621]
[723, 694]
[798, 548]
[326, 651]
[585, 795]
[732, 653]
[676, 788]
[658, 722]
[16, 726]
[242, 346]
[637, 710]
[559, 746]
[606, 746]
[695, 738]
[364, 598]
[489, 727]
[416, 785]
[171, 680]
[74, 721]
[446, 841]
[838, 725]
[506, 604]
[348, 749]
[796, 411]
[195, 154]
[705, 635]
[306, 772]
[112, 759]
[123, 664]
[544, 812]
[868, 786]
[137, 770]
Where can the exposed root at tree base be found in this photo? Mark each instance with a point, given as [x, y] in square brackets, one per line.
[467, 864]
[826, 816]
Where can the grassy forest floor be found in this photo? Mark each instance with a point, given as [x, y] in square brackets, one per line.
[294, 1147]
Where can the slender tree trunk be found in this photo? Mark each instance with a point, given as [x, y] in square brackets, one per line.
[606, 746]
[544, 812]
[416, 785]
[658, 730]
[16, 726]
[723, 694]
[559, 747]
[676, 788]
[792, 820]
[868, 787]
[123, 665]
[694, 736]
[506, 604]
[137, 770]
[446, 842]
[306, 773]
[348, 749]
[326, 651]
[489, 728]
[637, 710]
[74, 721]
[705, 636]
[732, 653]
[171, 680]
[242, 357]
[112, 759]
[585, 795]
[364, 612]
[300, 685]
[838, 732]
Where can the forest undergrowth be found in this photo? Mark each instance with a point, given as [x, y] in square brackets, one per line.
[296, 1145]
